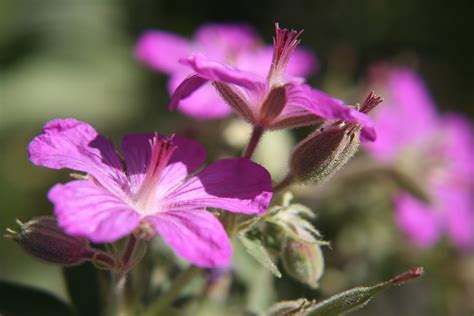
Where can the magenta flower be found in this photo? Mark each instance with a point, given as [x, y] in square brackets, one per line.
[438, 150]
[272, 102]
[235, 44]
[154, 191]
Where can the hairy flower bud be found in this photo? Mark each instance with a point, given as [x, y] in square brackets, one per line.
[303, 261]
[42, 238]
[324, 151]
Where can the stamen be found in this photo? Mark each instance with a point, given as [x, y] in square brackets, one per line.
[284, 43]
[370, 102]
[161, 152]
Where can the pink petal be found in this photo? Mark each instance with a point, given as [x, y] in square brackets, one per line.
[218, 72]
[409, 95]
[458, 145]
[236, 185]
[72, 144]
[194, 235]
[85, 209]
[455, 203]
[302, 63]
[185, 89]
[304, 99]
[186, 159]
[368, 133]
[406, 100]
[226, 39]
[419, 221]
[306, 106]
[202, 104]
[161, 50]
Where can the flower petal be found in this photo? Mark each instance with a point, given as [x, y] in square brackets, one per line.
[307, 106]
[422, 224]
[304, 100]
[161, 50]
[185, 89]
[69, 143]
[202, 104]
[85, 209]
[226, 38]
[454, 201]
[406, 100]
[188, 156]
[368, 133]
[195, 235]
[218, 72]
[236, 185]
[302, 63]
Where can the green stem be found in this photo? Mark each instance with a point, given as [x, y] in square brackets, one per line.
[115, 295]
[166, 299]
[257, 133]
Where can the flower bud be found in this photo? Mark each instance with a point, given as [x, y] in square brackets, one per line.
[303, 261]
[43, 238]
[324, 152]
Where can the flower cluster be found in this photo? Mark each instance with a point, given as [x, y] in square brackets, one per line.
[438, 149]
[157, 185]
[154, 192]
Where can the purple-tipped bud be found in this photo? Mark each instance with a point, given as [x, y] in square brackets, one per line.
[303, 261]
[42, 238]
[324, 151]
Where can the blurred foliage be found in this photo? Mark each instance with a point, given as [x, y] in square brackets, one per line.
[75, 59]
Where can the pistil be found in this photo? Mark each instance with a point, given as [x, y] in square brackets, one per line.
[146, 198]
[284, 43]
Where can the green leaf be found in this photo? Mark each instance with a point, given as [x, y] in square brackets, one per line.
[292, 219]
[358, 297]
[255, 248]
[20, 300]
[83, 287]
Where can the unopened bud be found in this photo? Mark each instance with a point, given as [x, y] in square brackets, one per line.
[303, 261]
[324, 152]
[43, 238]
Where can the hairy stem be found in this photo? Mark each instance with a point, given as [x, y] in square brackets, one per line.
[127, 253]
[166, 299]
[287, 181]
[257, 133]
[101, 258]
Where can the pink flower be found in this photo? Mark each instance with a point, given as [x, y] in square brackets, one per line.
[154, 191]
[272, 102]
[436, 149]
[236, 44]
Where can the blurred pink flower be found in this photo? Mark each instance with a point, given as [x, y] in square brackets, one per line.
[273, 101]
[234, 44]
[437, 149]
[154, 191]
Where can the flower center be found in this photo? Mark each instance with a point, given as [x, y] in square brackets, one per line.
[284, 42]
[146, 198]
